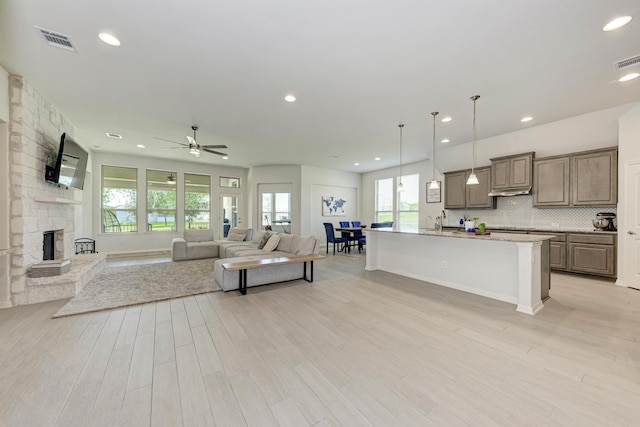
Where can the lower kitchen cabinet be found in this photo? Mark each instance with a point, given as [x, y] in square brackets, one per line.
[557, 250]
[592, 254]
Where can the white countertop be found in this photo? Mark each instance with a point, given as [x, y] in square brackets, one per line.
[497, 236]
[544, 229]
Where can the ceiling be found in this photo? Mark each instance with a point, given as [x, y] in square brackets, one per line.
[357, 68]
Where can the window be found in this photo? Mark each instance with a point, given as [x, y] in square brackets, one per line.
[409, 203]
[225, 181]
[119, 207]
[197, 201]
[276, 211]
[161, 200]
[384, 200]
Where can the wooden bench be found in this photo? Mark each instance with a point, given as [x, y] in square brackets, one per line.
[243, 266]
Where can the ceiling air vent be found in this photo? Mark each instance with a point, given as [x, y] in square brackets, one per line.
[114, 135]
[57, 39]
[627, 63]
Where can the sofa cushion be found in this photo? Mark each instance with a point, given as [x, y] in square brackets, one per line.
[258, 235]
[264, 240]
[272, 243]
[303, 245]
[205, 235]
[246, 231]
[285, 243]
[234, 237]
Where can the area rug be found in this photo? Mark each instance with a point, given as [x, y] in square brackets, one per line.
[137, 284]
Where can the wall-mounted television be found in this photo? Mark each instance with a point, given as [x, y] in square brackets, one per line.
[71, 165]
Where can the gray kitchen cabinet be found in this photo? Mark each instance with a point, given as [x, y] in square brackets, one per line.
[551, 182]
[454, 190]
[459, 195]
[511, 171]
[594, 178]
[592, 254]
[477, 196]
[557, 250]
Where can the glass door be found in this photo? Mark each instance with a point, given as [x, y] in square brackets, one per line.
[229, 213]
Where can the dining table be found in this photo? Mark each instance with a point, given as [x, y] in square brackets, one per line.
[351, 231]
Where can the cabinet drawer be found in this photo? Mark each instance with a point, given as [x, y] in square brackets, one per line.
[599, 239]
[592, 259]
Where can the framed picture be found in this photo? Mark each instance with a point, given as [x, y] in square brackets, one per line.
[333, 206]
[434, 195]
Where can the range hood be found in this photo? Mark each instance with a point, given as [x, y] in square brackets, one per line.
[511, 192]
[512, 175]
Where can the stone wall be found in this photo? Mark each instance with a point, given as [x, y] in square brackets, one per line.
[35, 127]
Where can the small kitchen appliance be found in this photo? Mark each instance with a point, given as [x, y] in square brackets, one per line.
[604, 221]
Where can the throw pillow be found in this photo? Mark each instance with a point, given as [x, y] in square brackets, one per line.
[264, 240]
[305, 246]
[285, 243]
[233, 237]
[272, 243]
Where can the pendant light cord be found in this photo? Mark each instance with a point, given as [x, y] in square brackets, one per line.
[433, 165]
[473, 160]
[401, 126]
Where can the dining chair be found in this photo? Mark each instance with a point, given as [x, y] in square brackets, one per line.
[347, 234]
[356, 223]
[331, 238]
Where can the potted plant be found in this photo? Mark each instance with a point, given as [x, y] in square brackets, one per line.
[470, 223]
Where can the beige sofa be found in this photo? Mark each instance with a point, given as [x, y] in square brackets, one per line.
[289, 245]
[199, 244]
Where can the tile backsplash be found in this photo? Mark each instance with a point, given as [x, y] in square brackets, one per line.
[518, 211]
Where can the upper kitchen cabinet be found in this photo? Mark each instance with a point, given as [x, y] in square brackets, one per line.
[594, 178]
[551, 182]
[459, 195]
[588, 178]
[511, 175]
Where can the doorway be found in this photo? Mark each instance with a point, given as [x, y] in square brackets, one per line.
[630, 235]
[229, 213]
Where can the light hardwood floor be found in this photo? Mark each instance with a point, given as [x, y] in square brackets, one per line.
[354, 348]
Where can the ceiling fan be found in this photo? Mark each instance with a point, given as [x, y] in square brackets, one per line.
[193, 146]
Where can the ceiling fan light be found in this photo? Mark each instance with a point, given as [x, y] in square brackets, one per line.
[433, 185]
[473, 179]
[171, 180]
[400, 188]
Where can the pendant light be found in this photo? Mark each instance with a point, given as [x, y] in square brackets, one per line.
[400, 186]
[170, 179]
[433, 185]
[473, 179]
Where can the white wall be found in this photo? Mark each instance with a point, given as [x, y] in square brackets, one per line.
[159, 240]
[318, 182]
[588, 131]
[628, 153]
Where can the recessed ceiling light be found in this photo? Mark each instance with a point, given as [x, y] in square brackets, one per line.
[140, 146]
[617, 23]
[446, 119]
[356, 164]
[113, 135]
[225, 157]
[629, 77]
[444, 141]
[109, 39]
[290, 98]
[377, 158]
[526, 119]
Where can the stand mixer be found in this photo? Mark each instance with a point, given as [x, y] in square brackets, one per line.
[604, 221]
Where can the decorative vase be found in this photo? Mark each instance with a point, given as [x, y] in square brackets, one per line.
[470, 226]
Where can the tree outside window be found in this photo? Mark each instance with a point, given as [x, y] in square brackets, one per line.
[197, 201]
[161, 200]
[119, 199]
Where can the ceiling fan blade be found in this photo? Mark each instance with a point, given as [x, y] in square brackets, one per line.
[213, 146]
[212, 151]
[174, 148]
[168, 140]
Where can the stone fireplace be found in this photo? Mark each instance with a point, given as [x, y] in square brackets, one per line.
[53, 245]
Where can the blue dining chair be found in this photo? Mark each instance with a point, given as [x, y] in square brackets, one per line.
[347, 234]
[356, 223]
[331, 238]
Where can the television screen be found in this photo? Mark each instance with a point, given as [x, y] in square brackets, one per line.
[72, 163]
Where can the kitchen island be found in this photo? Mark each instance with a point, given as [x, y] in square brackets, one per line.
[508, 267]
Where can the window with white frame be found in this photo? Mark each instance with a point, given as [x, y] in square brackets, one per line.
[197, 201]
[119, 199]
[384, 200]
[161, 200]
[409, 203]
